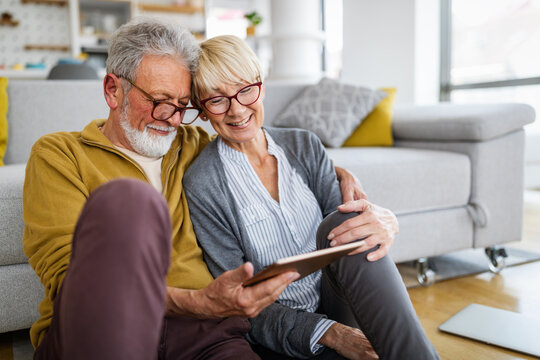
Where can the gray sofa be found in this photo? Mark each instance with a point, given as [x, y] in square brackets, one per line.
[454, 177]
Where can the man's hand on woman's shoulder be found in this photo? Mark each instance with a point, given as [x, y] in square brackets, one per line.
[351, 188]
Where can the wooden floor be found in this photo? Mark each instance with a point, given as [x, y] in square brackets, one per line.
[516, 289]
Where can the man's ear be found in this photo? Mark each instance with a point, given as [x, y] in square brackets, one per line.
[113, 91]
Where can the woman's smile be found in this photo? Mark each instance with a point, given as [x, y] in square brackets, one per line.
[241, 124]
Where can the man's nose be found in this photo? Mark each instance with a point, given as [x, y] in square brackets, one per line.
[175, 120]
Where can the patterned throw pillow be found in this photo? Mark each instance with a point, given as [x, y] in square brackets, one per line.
[376, 129]
[330, 109]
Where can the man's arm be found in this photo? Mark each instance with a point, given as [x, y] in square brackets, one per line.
[226, 296]
[53, 196]
[351, 188]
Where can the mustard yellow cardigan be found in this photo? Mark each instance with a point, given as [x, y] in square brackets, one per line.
[62, 171]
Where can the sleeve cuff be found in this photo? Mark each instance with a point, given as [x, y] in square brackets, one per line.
[322, 326]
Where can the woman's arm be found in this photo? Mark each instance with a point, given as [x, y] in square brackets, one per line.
[218, 231]
[349, 342]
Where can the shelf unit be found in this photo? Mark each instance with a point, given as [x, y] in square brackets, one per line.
[46, 47]
[191, 15]
[47, 2]
[69, 27]
[182, 9]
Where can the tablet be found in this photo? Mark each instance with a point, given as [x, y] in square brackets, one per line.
[504, 328]
[304, 264]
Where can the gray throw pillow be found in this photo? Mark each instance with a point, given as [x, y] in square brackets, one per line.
[330, 109]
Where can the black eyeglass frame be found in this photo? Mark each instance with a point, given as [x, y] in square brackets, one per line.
[155, 103]
[235, 96]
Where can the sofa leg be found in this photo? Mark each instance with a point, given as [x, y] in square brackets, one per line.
[425, 275]
[497, 258]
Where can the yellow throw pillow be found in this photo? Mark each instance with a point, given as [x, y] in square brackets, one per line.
[3, 118]
[376, 129]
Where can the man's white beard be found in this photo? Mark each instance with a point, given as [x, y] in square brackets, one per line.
[143, 142]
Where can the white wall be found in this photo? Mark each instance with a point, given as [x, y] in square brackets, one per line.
[393, 43]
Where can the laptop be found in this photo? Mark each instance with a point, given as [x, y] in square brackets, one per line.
[494, 326]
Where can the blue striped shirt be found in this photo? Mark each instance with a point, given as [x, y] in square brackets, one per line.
[278, 229]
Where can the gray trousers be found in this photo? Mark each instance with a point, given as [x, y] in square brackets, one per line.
[111, 304]
[372, 297]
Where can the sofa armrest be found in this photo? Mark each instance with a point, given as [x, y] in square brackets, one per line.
[459, 122]
[493, 138]
[11, 220]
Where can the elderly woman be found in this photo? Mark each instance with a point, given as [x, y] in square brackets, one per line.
[258, 194]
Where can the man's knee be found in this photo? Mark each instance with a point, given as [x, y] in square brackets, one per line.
[127, 196]
[127, 209]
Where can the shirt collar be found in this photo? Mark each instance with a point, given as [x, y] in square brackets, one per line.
[236, 155]
[93, 134]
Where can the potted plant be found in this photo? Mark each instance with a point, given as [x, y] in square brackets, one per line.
[254, 19]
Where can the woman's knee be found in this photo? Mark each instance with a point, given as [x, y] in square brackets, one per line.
[330, 222]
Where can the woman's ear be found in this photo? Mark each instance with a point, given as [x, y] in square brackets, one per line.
[113, 90]
[263, 91]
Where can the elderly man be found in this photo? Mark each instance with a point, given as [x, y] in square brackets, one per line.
[124, 277]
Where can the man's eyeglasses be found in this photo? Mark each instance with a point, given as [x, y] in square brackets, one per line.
[247, 95]
[164, 110]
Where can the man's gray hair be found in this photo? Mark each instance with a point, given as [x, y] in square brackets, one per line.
[149, 36]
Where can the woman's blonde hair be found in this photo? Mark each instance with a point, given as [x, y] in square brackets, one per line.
[224, 59]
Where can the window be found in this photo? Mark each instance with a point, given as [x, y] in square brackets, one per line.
[490, 52]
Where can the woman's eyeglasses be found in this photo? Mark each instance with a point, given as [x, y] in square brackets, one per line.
[247, 95]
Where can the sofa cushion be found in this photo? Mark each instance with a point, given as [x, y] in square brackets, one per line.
[461, 122]
[330, 109]
[11, 219]
[409, 180]
[376, 129]
[20, 296]
[69, 105]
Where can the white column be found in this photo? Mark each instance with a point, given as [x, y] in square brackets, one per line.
[391, 43]
[296, 40]
[74, 27]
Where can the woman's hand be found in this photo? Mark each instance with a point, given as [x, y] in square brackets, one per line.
[350, 186]
[376, 225]
[348, 342]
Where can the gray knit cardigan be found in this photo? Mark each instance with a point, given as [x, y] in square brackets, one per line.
[224, 240]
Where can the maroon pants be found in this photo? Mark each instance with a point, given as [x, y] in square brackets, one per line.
[111, 304]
